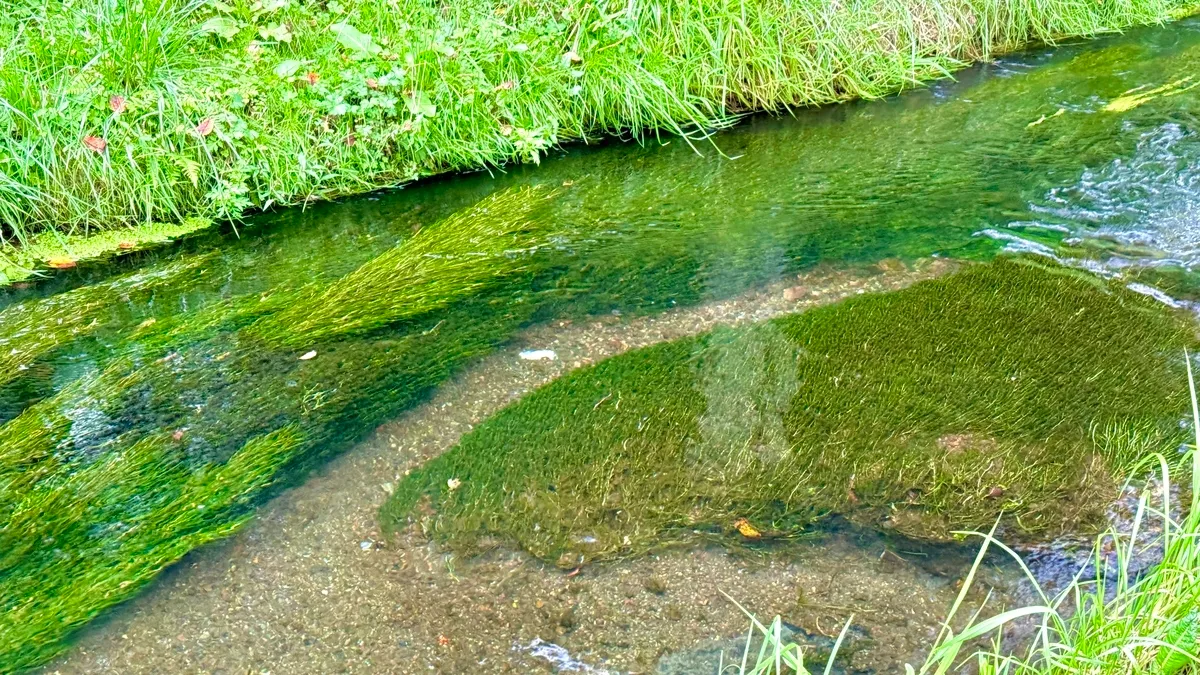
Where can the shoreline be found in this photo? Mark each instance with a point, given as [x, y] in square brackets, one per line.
[548, 81]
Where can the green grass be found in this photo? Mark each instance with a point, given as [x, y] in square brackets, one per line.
[1114, 621]
[927, 410]
[124, 116]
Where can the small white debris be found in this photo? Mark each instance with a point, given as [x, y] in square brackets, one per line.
[308, 355]
[538, 355]
[558, 657]
[453, 484]
[365, 545]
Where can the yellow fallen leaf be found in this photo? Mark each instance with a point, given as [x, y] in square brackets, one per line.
[1043, 118]
[746, 529]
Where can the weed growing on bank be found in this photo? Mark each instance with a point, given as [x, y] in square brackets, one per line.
[136, 115]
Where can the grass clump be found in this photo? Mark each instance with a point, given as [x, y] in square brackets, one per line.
[937, 407]
[120, 116]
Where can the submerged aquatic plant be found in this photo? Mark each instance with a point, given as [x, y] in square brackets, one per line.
[929, 409]
[174, 441]
[33, 329]
[96, 534]
[1110, 620]
[446, 262]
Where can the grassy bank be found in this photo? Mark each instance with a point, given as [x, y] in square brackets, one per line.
[934, 408]
[136, 116]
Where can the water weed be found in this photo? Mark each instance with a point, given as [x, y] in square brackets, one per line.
[118, 115]
[176, 439]
[1109, 619]
[923, 411]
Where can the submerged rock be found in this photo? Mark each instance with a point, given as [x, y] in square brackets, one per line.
[932, 409]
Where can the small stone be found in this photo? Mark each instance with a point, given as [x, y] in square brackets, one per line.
[538, 355]
[567, 618]
[794, 293]
[996, 492]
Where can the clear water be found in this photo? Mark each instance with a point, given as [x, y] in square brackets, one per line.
[962, 169]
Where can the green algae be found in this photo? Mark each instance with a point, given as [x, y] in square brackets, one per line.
[942, 406]
[35, 254]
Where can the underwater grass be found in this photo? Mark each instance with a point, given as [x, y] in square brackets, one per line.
[448, 261]
[1111, 620]
[140, 115]
[931, 409]
[73, 546]
[33, 329]
[198, 420]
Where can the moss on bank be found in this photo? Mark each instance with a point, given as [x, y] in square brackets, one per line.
[1007, 388]
[120, 115]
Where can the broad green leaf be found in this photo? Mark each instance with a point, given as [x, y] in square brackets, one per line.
[1183, 638]
[287, 68]
[226, 27]
[278, 32]
[267, 6]
[418, 103]
[355, 40]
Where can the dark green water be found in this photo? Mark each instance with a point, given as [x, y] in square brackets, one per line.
[962, 169]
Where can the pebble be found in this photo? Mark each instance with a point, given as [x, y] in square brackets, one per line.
[538, 355]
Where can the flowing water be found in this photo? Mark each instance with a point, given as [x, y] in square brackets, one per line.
[1086, 153]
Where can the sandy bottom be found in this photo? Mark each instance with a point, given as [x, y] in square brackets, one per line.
[311, 587]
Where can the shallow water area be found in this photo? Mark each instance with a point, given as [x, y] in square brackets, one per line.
[183, 352]
[312, 586]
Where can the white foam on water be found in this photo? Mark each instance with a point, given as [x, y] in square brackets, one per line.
[559, 658]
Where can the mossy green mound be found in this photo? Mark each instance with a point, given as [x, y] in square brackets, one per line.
[1009, 388]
